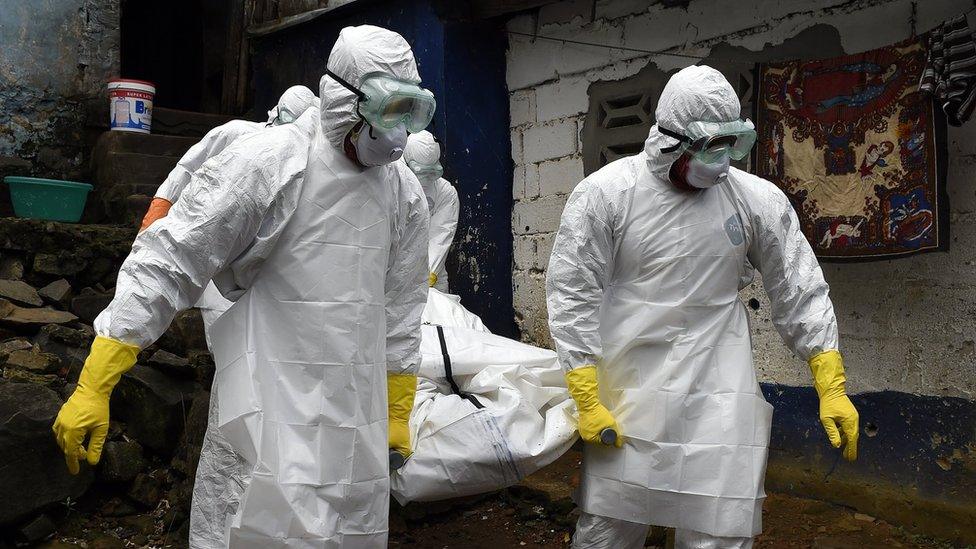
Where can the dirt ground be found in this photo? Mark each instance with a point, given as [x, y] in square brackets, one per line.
[496, 523]
[524, 517]
[536, 514]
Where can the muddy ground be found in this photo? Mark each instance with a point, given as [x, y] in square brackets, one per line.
[535, 514]
[789, 522]
[539, 514]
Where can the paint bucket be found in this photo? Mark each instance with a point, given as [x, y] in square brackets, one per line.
[130, 104]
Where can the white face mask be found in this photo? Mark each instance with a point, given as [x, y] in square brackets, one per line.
[376, 148]
[703, 176]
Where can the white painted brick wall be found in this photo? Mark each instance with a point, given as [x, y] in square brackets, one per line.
[522, 108]
[532, 252]
[516, 138]
[523, 252]
[518, 183]
[915, 334]
[529, 289]
[560, 176]
[532, 181]
[537, 216]
[547, 141]
[566, 97]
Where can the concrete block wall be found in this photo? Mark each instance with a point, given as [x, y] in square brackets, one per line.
[912, 332]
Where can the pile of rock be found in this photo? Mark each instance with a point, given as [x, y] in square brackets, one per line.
[54, 280]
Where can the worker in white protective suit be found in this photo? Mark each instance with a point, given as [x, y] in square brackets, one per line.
[295, 101]
[319, 237]
[642, 290]
[291, 105]
[422, 155]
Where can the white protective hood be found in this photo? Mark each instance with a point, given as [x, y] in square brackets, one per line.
[359, 51]
[296, 100]
[423, 148]
[713, 100]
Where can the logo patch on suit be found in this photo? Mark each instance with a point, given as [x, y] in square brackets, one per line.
[733, 228]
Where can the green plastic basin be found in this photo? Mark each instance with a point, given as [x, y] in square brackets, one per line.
[48, 199]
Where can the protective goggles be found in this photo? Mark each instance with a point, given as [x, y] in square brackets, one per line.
[709, 142]
[285, 116]
[426, 171]
[278, 116]
[386, 102]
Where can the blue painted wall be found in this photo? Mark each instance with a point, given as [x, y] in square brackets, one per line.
[479, 152]
[464, 65]
[916, 462]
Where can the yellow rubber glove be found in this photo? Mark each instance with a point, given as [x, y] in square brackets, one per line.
[593, 416]
[401, 389]
[431, 280]
[86, 411]
[837, 413]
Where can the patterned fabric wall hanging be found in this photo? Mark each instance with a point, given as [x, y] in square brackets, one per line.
[858, 150]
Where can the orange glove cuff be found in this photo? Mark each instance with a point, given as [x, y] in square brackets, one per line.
[158, 209]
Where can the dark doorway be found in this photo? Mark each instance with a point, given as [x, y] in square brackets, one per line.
[179, 46]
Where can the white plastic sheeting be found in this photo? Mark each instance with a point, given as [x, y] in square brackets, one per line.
[526, 418]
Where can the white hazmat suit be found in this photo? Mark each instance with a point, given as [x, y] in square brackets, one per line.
[643, 282]
[296, 99]
[442, 201]
[326, 263]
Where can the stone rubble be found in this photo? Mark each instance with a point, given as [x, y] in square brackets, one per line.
[54, 280]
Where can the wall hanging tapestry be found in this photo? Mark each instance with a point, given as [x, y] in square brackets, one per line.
[858, 150]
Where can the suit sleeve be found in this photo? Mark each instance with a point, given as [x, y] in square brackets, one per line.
[406, 279]
[212, 144]
[172, 261]
[801, 308]
[443, 225]
[579, 268]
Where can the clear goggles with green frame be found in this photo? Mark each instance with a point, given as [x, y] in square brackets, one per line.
[709, 142]
[386, 102]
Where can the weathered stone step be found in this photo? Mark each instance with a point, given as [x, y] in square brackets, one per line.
[120, 168]
[142, 143]
[122, 161]
[122, 174]
[185, 123]
[127, 204]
